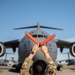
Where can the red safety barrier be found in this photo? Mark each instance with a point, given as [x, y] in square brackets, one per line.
[43, 42]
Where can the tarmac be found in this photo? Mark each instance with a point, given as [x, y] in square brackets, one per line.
[66, 70]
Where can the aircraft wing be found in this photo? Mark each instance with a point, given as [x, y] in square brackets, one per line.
[66, 44]
[12, 44]
[9, 44]
[63, 44]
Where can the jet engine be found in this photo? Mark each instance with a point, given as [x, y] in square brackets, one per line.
[2, 49]
[72, 50]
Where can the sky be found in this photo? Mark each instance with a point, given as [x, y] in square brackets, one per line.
[20, 13]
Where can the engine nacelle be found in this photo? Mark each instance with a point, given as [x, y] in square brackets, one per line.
[72, 50]
[2, 49]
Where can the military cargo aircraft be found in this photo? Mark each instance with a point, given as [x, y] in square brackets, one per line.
[68, 61]
[25, 45]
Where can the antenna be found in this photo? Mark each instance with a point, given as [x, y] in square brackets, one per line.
[38, 26]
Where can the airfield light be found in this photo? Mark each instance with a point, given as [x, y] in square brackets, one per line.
[43, 42]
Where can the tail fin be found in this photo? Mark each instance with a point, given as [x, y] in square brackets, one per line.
[38, 26]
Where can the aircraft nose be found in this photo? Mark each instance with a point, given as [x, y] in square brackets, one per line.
[38, 39]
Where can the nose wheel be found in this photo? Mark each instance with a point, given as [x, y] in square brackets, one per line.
[58, 67]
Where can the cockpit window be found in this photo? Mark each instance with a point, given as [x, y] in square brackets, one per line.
[45, 36]
[34, 35]
[40, 36]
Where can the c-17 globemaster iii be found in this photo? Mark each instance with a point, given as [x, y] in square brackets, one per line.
[25, 45]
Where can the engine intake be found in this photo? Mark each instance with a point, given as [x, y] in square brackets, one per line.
[72, 50]
[2, 49]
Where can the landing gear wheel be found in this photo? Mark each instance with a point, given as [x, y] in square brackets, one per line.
[58, 67]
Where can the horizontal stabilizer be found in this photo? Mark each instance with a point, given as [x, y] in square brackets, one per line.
[38, 26]
[25, 27]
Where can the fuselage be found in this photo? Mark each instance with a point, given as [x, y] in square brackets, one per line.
[26, 45]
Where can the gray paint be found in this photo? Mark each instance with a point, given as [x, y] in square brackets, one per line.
[26, 45]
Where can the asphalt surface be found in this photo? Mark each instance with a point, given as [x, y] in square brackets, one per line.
[66, 70]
